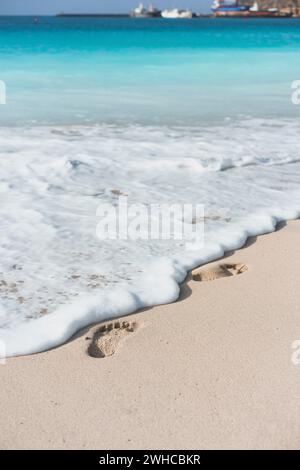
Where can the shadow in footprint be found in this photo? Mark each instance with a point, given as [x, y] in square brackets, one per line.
[219, 271]
[107, 338]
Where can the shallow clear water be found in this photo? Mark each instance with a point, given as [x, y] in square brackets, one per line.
[195, 111]
[76, 71]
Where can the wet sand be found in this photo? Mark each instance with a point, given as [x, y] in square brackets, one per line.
[214, 370]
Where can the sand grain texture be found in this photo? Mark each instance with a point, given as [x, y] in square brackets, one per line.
[213, 370]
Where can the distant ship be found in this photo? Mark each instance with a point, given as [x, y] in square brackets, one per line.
[175, 13]
[223, 8]
[142, 12]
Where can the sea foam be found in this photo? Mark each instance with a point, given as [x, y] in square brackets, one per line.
[56, 276]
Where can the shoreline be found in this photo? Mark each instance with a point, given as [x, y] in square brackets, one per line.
[57, 328]
[128, 16]
[214, 368]
[196, 17]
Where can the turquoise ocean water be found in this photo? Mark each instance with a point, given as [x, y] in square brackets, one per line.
[162, 111]
[76, 70]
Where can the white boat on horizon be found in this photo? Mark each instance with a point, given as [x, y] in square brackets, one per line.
[176, 13]
[142, 12]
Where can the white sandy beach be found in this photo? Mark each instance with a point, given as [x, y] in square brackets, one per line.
[213, 370]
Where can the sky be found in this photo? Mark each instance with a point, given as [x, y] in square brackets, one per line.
[52, 7]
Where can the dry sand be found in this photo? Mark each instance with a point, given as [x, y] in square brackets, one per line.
[213, 370]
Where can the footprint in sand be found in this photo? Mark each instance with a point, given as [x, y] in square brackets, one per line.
[107, 338]
[219, 271]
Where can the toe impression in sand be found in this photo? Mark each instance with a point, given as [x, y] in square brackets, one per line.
[106, 339]
[219, 271]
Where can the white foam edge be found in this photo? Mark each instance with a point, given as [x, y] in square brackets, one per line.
[159, 285]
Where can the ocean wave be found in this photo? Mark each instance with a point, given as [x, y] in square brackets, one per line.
[56, 276]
